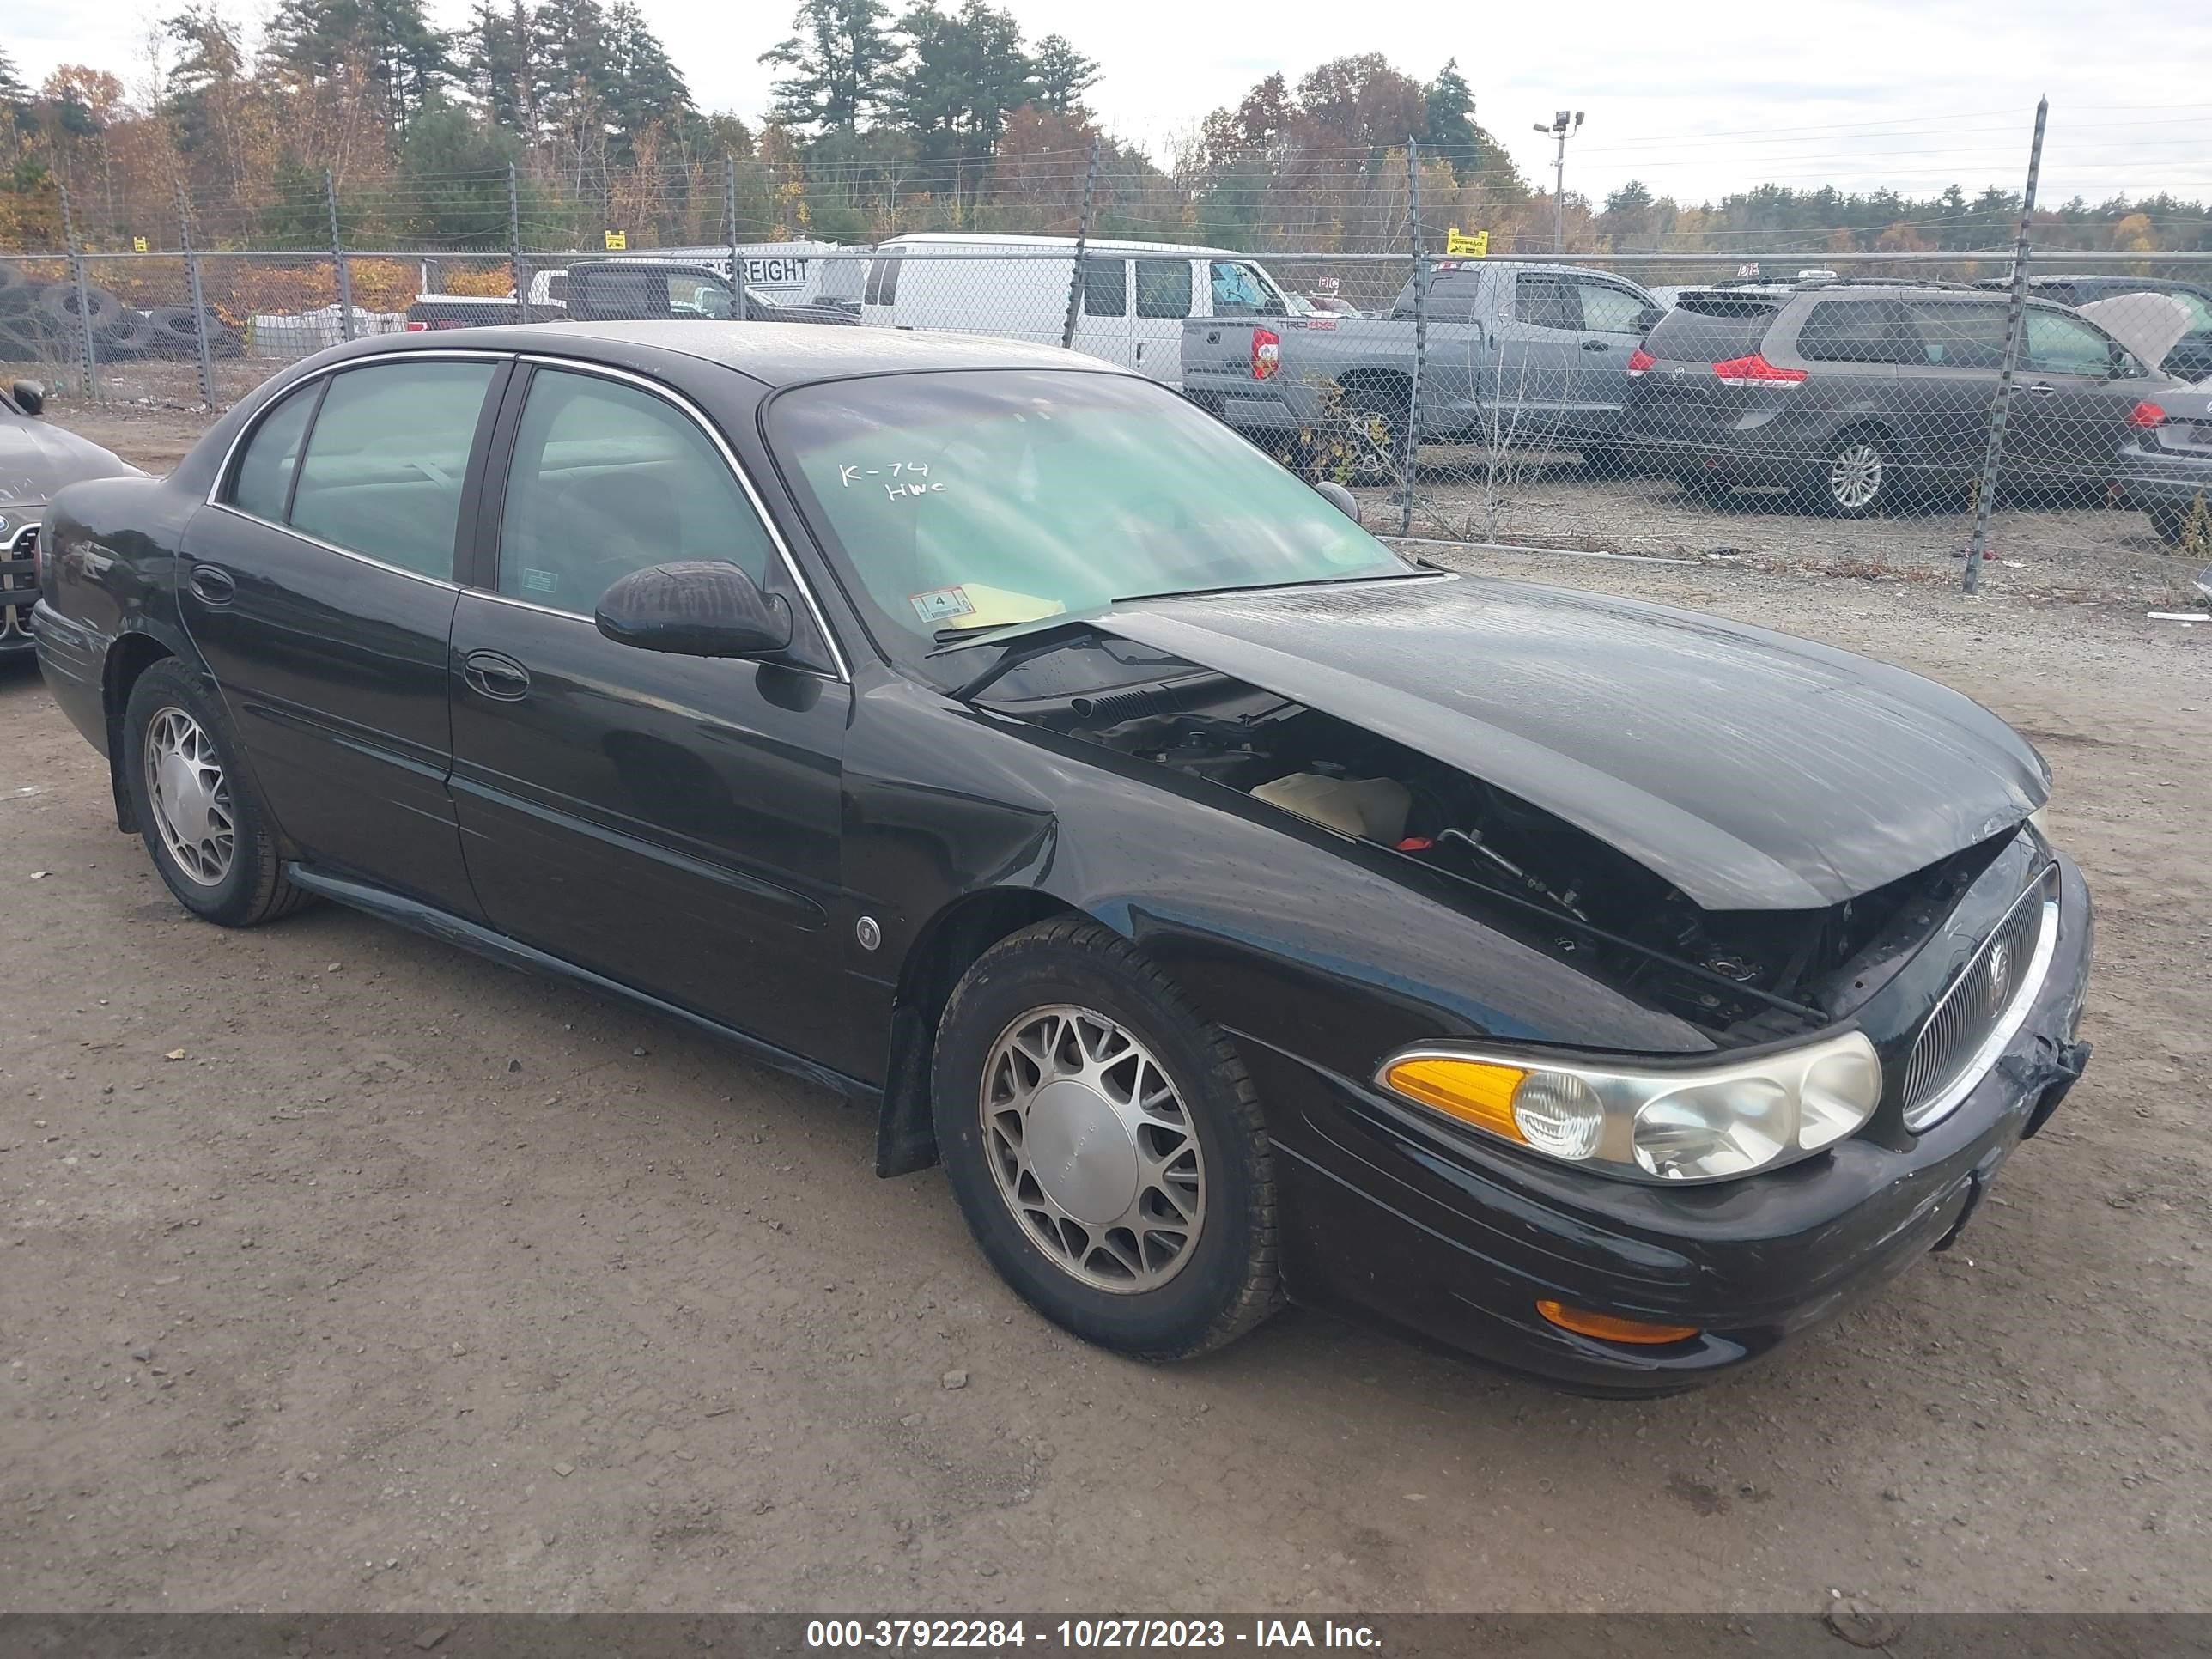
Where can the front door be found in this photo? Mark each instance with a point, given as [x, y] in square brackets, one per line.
[669, 822]
[2069, 411]
[319, 590]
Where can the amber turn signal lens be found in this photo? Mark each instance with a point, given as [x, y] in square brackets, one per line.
[1611, 1327]
[1473, 1091]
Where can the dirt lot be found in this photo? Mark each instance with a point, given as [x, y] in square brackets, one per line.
[339, 1270]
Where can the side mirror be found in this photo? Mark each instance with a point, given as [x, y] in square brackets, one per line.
[1340, 498]
[699, 608]
[30, 395]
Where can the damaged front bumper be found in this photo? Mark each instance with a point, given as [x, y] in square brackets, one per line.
[1458, 1244]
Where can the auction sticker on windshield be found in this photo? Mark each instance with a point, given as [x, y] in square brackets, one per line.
[942, 604]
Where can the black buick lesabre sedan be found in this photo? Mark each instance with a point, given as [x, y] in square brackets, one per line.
[1238, 912]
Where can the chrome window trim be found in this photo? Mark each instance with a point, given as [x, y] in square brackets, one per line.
[2043, 890]
[368, 559]
[223, 473]
[646, 383]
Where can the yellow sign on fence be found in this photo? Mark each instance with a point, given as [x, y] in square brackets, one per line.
[1459, 244]
[138, 243]
[617, 241]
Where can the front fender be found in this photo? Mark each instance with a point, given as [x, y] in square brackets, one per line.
[1277, 930]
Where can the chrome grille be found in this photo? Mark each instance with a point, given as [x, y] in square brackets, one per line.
[1984, 1007]
[19, 589]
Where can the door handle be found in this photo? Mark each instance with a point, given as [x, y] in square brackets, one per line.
[490, 674]
[1597, 345]
[2040, 388]
[212, 584]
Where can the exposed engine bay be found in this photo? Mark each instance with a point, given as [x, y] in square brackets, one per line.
[1745, 976]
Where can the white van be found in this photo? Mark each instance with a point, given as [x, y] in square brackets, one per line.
[1134, 297]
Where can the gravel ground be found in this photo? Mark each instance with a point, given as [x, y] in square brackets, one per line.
[342, 1270]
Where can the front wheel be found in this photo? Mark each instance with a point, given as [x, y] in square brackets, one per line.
[205, 827]
[1105, 1144]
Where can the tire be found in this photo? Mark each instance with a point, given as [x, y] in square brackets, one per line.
[122, 341]
[1375, 424]
[1073, 993]
[2171, 522]
[102, 308]
[17, 299]
[1858, 477]
[172, 708]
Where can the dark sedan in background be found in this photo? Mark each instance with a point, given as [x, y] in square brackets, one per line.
[1238, 911]
[36, 459]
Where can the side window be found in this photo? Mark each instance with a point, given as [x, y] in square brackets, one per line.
[382, 474]
[1105, 287]
[1610, 310]
[2058, 344]
[882, 282]
[1545, 301]
[1959, 334]
[1240, 290]
[1164, 288]
[1853, 331]
[263, 482]
[1453, 291]
[608, 479]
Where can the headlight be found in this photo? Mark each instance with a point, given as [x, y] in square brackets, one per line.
[1703, 1122]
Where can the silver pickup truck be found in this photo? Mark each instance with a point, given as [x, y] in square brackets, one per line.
[1537, 354]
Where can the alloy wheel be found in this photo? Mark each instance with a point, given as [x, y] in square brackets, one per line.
[1855, 474]
[190, 797]
[1092, 1149]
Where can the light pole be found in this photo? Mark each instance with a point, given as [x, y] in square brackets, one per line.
[1566, 121]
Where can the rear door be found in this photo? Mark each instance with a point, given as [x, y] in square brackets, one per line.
[1104, 326]
[1540, 362]
[669, 822]
[1948, 380]
[319, 589]
[1163, 289]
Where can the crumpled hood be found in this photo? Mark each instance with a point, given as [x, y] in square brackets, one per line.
[37, 459]
[1752, 770]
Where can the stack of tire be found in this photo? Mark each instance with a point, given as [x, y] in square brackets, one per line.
[41, 322]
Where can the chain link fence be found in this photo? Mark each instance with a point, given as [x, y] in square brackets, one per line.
[1683, 406]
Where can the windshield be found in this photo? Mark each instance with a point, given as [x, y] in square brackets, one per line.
[956, 501]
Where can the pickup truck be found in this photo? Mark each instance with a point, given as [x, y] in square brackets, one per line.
[1535, 354]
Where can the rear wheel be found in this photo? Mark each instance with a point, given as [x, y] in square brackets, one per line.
[1106, 1145]
[1858, 480]
[205, 827]
[1378, 422]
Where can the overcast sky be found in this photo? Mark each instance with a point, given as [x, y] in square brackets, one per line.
[1695, 99]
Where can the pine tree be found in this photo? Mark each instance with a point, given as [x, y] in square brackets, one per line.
[1063, 75]
[391, 42]
[840, 61]
[1449, 109]
[968, 71]
[643, 89]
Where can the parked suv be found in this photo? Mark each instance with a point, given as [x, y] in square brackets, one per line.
[1864, 397]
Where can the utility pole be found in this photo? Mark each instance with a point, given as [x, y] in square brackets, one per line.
[1566, 122]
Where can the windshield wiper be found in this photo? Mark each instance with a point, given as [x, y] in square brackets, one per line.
[1268, 587]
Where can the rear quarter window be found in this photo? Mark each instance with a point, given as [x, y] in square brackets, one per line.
[1712, 330]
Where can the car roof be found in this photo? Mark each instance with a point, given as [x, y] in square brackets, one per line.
[775, 354]
[948, 238]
